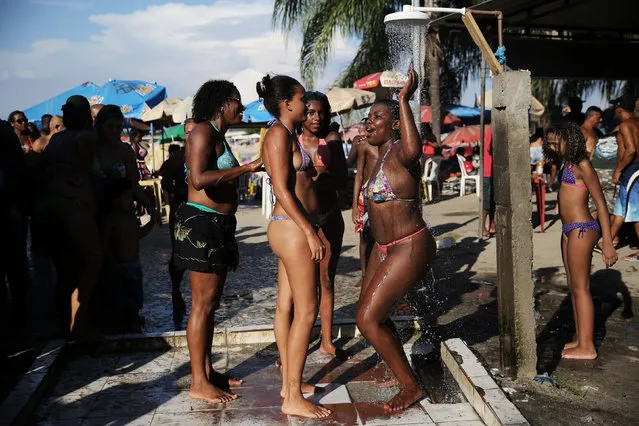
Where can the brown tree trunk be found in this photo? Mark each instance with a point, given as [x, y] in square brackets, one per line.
[433, 80]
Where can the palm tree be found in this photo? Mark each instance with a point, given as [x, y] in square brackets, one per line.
[320, 21]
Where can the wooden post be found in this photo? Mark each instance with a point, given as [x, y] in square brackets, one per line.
[511, 159]
[480, 41]
[480, 181]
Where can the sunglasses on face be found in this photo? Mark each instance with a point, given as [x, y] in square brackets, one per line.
[20, 121]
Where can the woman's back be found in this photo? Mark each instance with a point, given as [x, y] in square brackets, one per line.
[300, 171]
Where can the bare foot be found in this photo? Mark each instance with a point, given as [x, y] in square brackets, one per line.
[210, 393]
[579, 353]
[303, 408]
[223, 381]
[405, 398]
[331, 349]
[386, 383]
[571, 345]
[306, 388]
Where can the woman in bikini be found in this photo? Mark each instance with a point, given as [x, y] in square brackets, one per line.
[566, 144]
[293, 237]
[205, 227]
[325, 149]
[404, 246]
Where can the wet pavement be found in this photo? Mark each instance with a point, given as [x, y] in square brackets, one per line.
[152, 388]
[251, 291]
[458, 300]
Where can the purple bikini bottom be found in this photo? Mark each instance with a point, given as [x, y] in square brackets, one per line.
[582, 226]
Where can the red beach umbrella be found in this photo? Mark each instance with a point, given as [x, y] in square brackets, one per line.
[448, 118]
[464, 135]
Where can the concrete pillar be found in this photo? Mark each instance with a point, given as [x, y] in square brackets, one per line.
[511, 179]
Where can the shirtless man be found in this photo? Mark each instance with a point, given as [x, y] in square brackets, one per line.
[627, 205]
[366, 155]
[55, 125]
[589, 129]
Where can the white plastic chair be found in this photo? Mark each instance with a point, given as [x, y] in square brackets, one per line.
[465, 177]
[430, 177]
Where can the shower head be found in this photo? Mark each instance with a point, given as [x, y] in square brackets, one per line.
[408, 17]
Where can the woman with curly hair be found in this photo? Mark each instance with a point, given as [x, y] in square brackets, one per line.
[566, 144]
[325, 149]
[205, 227]
[292, 235]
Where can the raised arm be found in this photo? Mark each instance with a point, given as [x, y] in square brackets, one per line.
[201, 152]
[411, 147]
[278, 155]
[352, 154]
[590, 178]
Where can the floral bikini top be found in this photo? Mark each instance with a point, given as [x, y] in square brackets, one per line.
[379, 189]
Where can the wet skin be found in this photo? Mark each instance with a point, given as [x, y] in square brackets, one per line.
[329, 179]
[390, 276]
[577, 252]
[216, 189]
[299, 250]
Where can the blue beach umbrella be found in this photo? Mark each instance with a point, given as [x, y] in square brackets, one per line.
[132, 96]
[255, 112]
[53, 106]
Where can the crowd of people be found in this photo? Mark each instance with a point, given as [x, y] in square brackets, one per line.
[74, 187]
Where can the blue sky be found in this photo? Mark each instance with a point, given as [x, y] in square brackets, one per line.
[49, 46]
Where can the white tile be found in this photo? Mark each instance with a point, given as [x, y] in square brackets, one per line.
[411, 416]
[147, 363]
[143, 420]
[332, 393]
[505, 410]
[450, 412]
[474, 369]
[485, 382]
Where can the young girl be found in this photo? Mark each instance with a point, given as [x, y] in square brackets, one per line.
[566, 144]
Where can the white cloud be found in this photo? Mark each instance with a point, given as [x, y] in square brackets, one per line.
[177, 45]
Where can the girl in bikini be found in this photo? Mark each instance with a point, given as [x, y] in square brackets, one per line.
[325, 149]
[404, 246]
[566, 144]
[292, 234]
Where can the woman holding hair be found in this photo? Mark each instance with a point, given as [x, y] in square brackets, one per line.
[205, 227]
[567, 145]
[293, 237]
[325, 149]
[404, 247]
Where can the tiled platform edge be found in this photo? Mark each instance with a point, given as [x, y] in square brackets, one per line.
[486, 397]
[15, 410]
[236, 335]
[24, 398]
